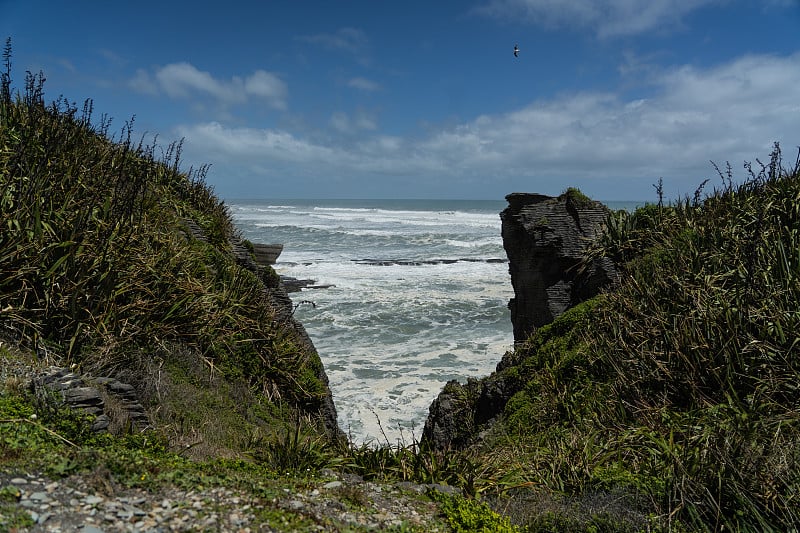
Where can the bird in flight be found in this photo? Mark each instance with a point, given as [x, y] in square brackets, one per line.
[516, 51]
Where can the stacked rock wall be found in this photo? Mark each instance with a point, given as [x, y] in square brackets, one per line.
[109, 400]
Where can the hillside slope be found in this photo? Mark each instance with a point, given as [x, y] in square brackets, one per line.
[116, 262]
[677, 390]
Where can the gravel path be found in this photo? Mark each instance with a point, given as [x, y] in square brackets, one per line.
[90, 504]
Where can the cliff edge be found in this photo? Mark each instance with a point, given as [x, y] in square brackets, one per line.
[545, 239]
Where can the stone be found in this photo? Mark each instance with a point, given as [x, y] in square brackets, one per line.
[266, 254]
[545, 239]
[121, 388]
[101, 423]
[83, 396]
[92, 500]
[86, 393]
[450, 423]
[39, 497]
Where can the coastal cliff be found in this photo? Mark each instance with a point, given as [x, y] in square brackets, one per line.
[276, 294]
[117, 267]
[546, 239]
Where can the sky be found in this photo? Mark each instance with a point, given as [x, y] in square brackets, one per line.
[380, 99]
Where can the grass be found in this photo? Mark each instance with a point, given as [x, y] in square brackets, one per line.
[676, 390]
[98, 270]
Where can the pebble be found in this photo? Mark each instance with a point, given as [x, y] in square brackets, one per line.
[92, 500]
[39, 497]
[72, 504]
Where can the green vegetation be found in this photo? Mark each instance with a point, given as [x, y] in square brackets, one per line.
[468, 516]
[576, 197]
[677, 389]
[100, 268]
[669, 403]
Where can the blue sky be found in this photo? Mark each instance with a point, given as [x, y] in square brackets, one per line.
[371, 99]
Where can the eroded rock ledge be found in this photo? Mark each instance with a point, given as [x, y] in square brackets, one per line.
[114, 404]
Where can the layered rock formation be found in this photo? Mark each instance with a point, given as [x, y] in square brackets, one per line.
[545, 239]
[113, 403]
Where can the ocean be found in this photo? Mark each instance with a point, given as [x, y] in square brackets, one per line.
[418, 293]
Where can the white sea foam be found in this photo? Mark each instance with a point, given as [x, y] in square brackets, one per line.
[395, 326]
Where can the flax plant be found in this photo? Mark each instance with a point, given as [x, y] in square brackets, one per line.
[95, 268]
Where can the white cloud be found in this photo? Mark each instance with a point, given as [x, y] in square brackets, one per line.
[252, 142]
[732, 112]
[361, 120]
[607, 18]
[143, 83]
[184, 80]
[266, 85]
[363, 84]
[179, 80]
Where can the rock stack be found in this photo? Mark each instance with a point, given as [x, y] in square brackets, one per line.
[545, 239]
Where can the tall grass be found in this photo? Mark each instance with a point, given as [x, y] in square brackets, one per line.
[94, 267]
[704, 337]
[678, 388]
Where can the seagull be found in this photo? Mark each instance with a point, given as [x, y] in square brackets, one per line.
[516, 51]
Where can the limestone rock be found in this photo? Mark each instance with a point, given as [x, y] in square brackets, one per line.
[545, 239]
[450, 419]
[106, 398]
